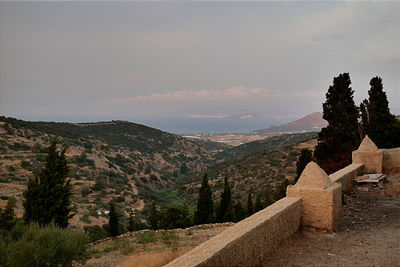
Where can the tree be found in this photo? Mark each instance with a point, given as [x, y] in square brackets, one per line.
[250, 208]
[132, 223]
[382, 126]
[204, 211]
[7, 216]
[47, 197]
[113, 219]
[258, 205]
[175, 217]
[363, 124]
[304, 158]
[226, 208]
[340, 137]
[154, 217]
[240, 213]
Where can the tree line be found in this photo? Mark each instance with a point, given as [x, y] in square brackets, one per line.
[348, 124]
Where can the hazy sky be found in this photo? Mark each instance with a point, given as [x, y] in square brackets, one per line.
[84, 61]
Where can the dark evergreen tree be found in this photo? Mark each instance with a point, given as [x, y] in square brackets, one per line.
[258, 205]
[363, 124]
[250, 207]
[154, 217]
[113, 220]
[226, 208]
[304, 158]
[47, 197]
[175, 217]
[337, 141]
[132, 223]
[7, 216]
[240, 213]
[383, 128]
[204, 211]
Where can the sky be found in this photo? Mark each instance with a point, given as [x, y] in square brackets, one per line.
[192, 66]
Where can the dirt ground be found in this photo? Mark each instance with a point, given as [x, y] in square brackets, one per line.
[156, 253]
[369, 235]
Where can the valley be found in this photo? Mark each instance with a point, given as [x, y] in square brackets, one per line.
[135, 165]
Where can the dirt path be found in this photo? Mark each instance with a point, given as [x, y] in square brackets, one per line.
[369, 236]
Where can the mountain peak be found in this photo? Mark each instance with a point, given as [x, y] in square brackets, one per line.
[310, 123]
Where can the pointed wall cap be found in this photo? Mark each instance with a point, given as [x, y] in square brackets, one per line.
[313, 176]
[367, 145]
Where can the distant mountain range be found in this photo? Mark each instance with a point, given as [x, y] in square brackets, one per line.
[310, 123]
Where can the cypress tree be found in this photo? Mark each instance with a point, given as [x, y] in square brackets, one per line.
[113, 220]
[304, 158]
[226, 208]
[154, 217]
[204, 211]
[383, 128]
[250, 208]
[240, 213]
[258, 205]
[47, 197]
[132, 224]
[364, 119]
[341, 136]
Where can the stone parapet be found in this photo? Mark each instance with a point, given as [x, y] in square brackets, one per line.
[369, 155]
[347, 175]
[248, 242]
[321, 200]
[391, 159]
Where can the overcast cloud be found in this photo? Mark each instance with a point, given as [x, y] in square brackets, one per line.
[80, 61]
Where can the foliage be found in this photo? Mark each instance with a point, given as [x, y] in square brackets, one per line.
[95, 232]
[204, 212]
[154, 217]
[146, 237]
[240, 213]
[258, 205]
[175, 217]
[7, 216]
[113, 220]
[340, 137]
[32, 245]
[226, 213]
[304, 158]
[47, 197]
[377, 121]
[250, 208]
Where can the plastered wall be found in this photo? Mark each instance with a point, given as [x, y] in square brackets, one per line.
[249, 241]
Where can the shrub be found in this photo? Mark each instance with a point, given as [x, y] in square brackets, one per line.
[51, 245]
[95, 232]
[146, 237]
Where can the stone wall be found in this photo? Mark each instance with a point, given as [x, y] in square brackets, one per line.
[249, 241]
[391, 159]
[321, 199]
[347, 175]
[369, 155]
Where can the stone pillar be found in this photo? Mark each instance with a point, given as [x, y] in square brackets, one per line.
[369, 155]
[321, 199]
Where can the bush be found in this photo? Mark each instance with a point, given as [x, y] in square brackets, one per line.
[146, 237]
[95, 232]
[51, 245]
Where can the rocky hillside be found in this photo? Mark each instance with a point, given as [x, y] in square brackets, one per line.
[131, 163]
[266, 173]
[135, 165]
